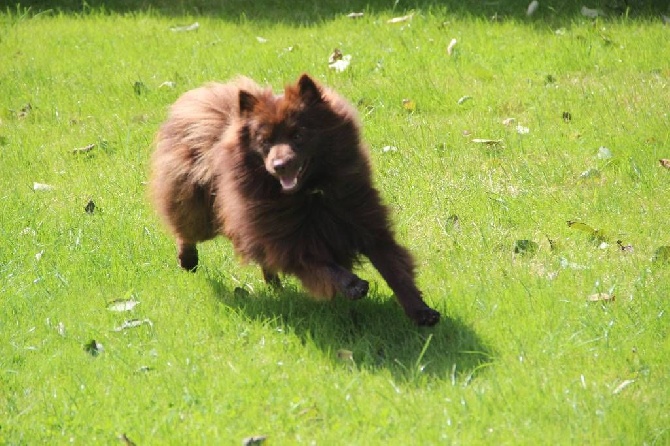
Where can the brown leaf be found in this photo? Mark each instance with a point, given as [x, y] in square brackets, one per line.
[665, 163]
[84, 149]
[404, 18]
[601, 297]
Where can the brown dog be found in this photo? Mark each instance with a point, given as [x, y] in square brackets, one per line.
[287, 180]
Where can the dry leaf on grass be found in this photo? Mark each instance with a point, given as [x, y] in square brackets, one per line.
[93, 347]
[622, 386]
[601, 297]
[665, 163]
[464, 99]
[591, 13]
[84, 149]
[450, 47]
[42, 187]
[132, 324]
[180, 29]
[256, 440]
[488, 142]
[401, 19]
[121, 305]
[345, 355]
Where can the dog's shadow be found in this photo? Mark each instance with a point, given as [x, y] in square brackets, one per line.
[372, 333]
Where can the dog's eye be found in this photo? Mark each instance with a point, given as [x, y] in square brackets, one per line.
[298, 135]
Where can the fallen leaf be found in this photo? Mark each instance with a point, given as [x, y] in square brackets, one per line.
[345, 355]
[93, 347]
[622, 386]
[601, 297]
[591, 13]
[355, 15]
[450, 47]
[665, 163]
[254, 441]
[335, 56]
[132, 323]
[84, 149]
[596, 234]
[464, 99]
[532, 7]
[121, 305]
[488, 142]
[42, 187]
[408, 104]
[580, 226]
[338, 61]
[590, 173]
[90, 207]
[401, 19]
[24, 111]
[521, 130]
[625, 248]
[180, 29]
[604, 153]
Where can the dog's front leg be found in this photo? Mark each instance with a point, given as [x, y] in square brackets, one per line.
[396, 266]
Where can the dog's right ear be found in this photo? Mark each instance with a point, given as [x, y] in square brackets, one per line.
[247, 102]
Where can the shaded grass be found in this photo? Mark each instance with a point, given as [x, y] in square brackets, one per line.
[523, 357]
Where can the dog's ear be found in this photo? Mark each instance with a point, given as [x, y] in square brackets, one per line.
[309, 91]
[247, 102]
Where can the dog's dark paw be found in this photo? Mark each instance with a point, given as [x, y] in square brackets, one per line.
[426, 317]
[188, 259]
[356, 289]
[272, 279]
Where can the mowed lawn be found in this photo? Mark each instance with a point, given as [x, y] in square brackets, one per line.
[523, 158]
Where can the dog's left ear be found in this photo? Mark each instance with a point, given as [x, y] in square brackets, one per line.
[309, 91]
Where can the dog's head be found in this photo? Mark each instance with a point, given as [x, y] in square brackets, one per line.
[285, 130]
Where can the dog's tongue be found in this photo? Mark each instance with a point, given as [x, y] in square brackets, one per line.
[288, 182]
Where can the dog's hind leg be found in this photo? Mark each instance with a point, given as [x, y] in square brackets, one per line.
[271, 278]
[347, 283]
[326, 280]
[187, 254]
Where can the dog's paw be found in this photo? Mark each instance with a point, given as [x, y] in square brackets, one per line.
[426, 317]
[188, 259]
[356, 289]
[272, 279]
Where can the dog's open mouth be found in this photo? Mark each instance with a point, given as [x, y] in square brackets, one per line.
[290, 180]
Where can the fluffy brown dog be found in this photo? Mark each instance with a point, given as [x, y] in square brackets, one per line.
[287, 180]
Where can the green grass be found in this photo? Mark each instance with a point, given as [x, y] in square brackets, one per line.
[521, 357]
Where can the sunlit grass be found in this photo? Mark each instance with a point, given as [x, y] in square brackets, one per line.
[521, 358]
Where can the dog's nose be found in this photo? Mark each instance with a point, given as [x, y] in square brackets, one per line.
[279, 165]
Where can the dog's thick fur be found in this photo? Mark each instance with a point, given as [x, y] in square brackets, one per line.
[287, 180]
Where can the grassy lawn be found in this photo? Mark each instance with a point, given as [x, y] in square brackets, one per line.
[554, 333]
